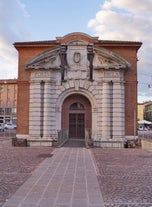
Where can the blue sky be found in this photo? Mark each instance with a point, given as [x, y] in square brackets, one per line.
[48, 19]
[32, 20]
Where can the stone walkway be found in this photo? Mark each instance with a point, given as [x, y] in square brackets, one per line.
[67, 179]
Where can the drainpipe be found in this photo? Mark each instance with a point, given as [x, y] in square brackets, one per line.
[134, 124]
[111, 109]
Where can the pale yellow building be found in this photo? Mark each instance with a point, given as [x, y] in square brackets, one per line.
[141, 107]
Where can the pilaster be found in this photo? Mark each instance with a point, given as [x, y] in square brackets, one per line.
[118, 111]
[106, 111]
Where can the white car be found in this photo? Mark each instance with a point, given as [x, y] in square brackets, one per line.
[2, 127]
[10, 126]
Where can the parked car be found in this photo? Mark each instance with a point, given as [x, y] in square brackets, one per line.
[10, 126]
[2, 127]
[143, 128]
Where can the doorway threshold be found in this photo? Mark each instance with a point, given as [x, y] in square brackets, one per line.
[75, 143]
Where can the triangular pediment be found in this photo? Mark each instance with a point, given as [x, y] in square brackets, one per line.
[51, 59]
[105, 59]
[48, 59]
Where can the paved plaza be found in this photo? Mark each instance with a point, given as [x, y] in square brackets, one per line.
[125, 176]
[74, 177]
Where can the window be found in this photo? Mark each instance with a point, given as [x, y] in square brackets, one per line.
[8, 111]
[1, 111]
[76, 106]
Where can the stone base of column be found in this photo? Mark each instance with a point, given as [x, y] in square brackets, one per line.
[131, 137]
[109, 144]
[37, 141]
[40, 142]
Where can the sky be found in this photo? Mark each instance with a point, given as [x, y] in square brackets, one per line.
[34, 20]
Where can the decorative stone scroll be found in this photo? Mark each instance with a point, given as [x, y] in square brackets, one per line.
[90, 58]
[63, 58]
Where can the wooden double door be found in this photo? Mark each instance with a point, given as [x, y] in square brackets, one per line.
[76, 115]
[77, 125]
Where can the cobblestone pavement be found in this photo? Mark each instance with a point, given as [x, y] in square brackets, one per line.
[16, 165]
[125, 176]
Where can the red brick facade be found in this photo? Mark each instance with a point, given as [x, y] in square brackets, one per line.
[125, 49]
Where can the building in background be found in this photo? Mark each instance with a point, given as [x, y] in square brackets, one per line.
[8, 101]
[78, 84]
[140, 111]
[148, 111]
[145, 111]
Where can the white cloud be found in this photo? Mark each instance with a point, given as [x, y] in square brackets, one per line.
[23, 8]
[131, 21]
[8, 61]
[11, 30]
[134, 6]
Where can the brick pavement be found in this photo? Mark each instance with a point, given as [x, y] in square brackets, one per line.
[125, 176]
[16, 166]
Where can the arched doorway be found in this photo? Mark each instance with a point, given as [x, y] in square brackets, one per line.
[76, 115]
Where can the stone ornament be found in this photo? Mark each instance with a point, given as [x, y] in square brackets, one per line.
[77, 57]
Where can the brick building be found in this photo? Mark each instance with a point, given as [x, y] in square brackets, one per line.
[77, 83]
[8, 101]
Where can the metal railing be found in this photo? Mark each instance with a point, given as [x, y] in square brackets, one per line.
[63, 137]
[145, 134]
[10, 133]
[88, 139]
